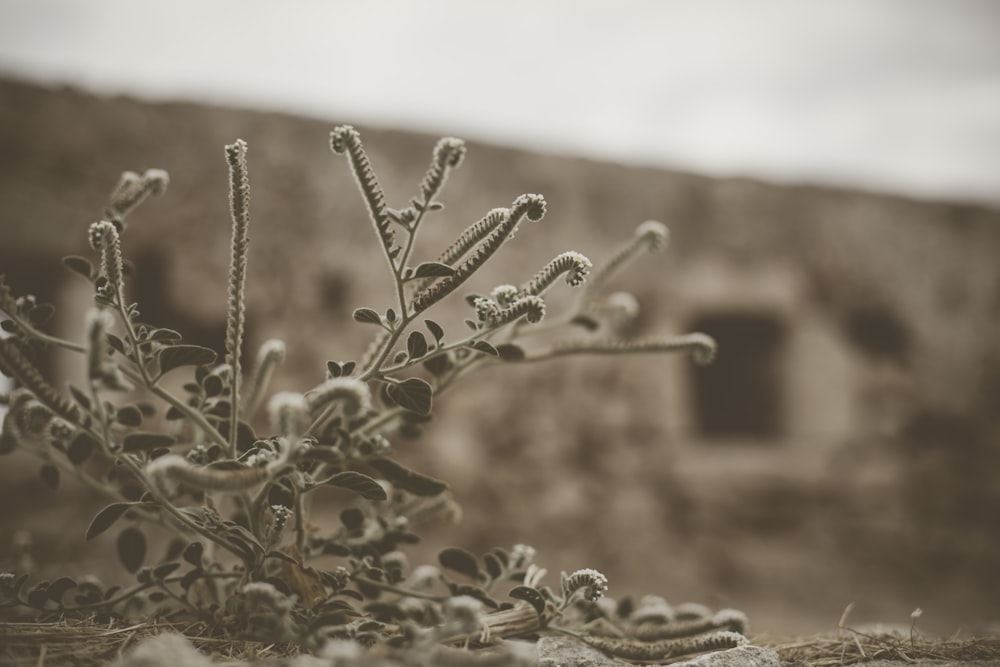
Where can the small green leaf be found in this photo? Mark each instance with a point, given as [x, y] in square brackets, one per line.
[191, 577]
[79, 396]
[484, 347]
[438, 364]
[129, 415]
[245, 436]
[185, 355]
[361, 484]
[529, 595]
[193, 552]
[166, 336]
[281, 555]
[493, 566]
[367, 316]
[510, 352]
[433, 270]
[50, 475]
[164, 570]
[59, 587]
[416, 345]
[174, 549]
[105, 518]
[213, 385]
[333, 369]
[144, 442]
[331, 548]
[390, 315]
[81, 447]
[116, 343]
[460, 560]
[18, 584]
[352, 518]
[587, 322]
[413, 394]
[435, 330]
[406, 479]
[80, 265]
[473, 591]
[131, 548]
[38, 595]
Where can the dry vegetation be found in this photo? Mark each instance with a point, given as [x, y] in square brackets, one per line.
[86, 643]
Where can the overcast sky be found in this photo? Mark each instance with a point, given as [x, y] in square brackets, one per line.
[898, 95]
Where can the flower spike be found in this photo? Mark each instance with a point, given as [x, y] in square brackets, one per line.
[448, 155]
[701, 347]
[525, 206]
[574, 265]
[346, 140]
[239, 201]
[105, 239]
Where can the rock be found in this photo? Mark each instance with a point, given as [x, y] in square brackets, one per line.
[562, 651]
[569, 652]
[741, 656]
[165, 650]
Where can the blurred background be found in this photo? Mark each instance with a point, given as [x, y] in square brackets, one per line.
[831, 177]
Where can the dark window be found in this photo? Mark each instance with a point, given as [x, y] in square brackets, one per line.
[879, 333]
[740, 395]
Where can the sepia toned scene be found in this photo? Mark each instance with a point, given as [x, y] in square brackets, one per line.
[832, 471]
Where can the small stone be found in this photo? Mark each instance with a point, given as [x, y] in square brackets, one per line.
[165, 650]
[561, 651]
[741, 656]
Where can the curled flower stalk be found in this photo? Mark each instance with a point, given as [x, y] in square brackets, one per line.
[631, 649]
[491, 315]
[589, 583]
[171, 472]
[473, 234]
[701, 347]
[346, 140]
[650, 236]
[572, 265]
[105, 239]
[289, 412]
[448, 155]
[132, 190]
[16, 364]
[270, 356]
[100, 368]
[350, 394]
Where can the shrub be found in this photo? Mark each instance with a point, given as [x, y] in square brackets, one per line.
[244, 558]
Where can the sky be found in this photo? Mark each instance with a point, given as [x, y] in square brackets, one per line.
[894, 95]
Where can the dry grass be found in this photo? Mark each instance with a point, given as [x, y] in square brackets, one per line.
[85, 643]
[849, 647]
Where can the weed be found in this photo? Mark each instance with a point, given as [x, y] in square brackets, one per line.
[244, 558]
